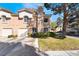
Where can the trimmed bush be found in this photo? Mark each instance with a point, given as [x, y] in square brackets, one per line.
[52, 34]
[40, 35]
[43, 34]
[12, 36]
[48, 34]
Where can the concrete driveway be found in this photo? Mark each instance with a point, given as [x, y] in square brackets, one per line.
[16, 49]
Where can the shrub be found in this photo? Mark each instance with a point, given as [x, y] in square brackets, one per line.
[34, 34]
[43, 34]
[40, 35]
[12, 36]
[52, 34]
[30, 34]
[48, 34]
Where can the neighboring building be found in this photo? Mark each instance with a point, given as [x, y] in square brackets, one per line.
[26, 21]
[73, 25]
[59, 23]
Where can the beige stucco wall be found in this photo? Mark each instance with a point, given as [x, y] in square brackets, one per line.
[14, 23]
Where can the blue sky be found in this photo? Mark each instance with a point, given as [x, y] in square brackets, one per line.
[14, 7]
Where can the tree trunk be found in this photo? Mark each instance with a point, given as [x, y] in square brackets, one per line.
[37, 22]
[64, 24]
[65, 21]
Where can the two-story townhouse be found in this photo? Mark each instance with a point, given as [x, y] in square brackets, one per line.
[27, 20]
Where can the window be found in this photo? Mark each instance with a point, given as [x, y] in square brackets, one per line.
[34, 30]
[45, 20]
[4, 18]
[45, 29]
[26, 18]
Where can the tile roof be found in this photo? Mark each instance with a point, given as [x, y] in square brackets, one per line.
[30, 10]
[2, 9]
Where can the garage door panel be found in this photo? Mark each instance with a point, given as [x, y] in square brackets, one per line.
[22, 32]
[6, 32]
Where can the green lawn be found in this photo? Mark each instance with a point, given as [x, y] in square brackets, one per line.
[58, 44]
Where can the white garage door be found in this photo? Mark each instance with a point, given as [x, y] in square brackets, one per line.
[6, 32]
[22, 32]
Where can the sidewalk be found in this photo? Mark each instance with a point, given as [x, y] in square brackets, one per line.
[63, 53]
[72, 37]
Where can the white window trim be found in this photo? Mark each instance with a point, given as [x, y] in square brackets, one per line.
[4, 21]
[24, 19]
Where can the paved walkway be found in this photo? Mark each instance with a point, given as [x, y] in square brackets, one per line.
[63, 53]
[17, 48]
[73, 37]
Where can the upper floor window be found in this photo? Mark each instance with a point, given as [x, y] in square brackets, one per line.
[45, 20]
[4, 18]
[26, 18]
[45, 29]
